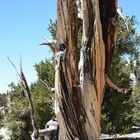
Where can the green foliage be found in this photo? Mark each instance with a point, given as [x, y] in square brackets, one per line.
[17, 118]
[3, 100]
[42, 96]
[136, 109]
[118, 109]
[127, 40]
[43, 104]
[45, 71]
[52, 29]
[1, 137]
[120, 112]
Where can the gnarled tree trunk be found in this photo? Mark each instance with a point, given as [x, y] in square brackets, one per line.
[80, 84]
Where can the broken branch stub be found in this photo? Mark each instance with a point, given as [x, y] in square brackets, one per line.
[116, 88]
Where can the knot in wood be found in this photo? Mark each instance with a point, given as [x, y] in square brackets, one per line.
[62, 47]
[76, 84]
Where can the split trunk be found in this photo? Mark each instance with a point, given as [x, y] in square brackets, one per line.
[80, 82]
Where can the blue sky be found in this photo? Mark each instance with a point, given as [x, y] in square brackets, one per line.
[23, 25]
[129, 8]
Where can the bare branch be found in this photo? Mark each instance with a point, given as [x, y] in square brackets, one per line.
[25, 88]
[119, 11]
[116, 88]
[51, 43]
[46, 83]
[13, 66]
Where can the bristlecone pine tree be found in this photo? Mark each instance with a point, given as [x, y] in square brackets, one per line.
[80, 82]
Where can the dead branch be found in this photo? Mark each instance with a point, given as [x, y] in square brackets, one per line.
[25, 88]
[119, 12]
[51, 43]
[46, 83]
[13, 66]
[114, 87]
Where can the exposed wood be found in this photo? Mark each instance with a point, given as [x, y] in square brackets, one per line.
[79, 90]
[66, 71]
[119, 12]
[92, 67]
[51, 43]
[51, 130]
[25, 88]
[114, 87]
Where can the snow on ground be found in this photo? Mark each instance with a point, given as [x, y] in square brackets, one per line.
[118, 136]
[5, 133]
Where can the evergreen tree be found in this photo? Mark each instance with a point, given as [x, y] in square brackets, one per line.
[119, 119]
[17, 117]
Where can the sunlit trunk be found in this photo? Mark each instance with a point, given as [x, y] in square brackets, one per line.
[80, 85]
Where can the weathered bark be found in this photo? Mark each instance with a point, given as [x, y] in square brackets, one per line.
[79, 93]
[24, 86]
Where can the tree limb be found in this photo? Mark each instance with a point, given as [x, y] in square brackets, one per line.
[116, 88]
[51, 43]
[13, 66]
[25, 88]
[46, 83]
[119, 11]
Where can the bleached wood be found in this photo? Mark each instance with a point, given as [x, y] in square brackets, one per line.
[114, 87]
